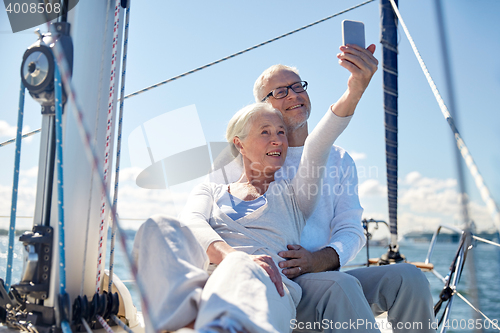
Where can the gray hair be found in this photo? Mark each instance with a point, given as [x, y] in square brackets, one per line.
[239, 125]
[258, 86]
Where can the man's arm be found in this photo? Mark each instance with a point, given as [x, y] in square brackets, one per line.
[362, 65]
[346, 234]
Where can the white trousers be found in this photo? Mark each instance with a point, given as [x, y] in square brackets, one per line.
[347, 301]
[172, 268]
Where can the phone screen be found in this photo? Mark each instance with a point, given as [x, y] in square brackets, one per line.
[353, 32]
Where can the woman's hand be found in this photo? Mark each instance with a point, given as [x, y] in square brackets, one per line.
[267, 263]
[218, 250]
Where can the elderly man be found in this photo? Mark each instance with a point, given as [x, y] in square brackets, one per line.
[333, 300]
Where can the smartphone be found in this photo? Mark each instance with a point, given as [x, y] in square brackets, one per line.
[353, 32]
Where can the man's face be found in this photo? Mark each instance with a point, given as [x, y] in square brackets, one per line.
[295, 107]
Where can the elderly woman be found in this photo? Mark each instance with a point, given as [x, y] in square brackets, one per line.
[240, 227]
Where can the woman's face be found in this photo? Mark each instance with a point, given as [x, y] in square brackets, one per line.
[266, 144]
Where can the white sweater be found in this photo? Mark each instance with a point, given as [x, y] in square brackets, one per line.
[280, 221]
[336, 221]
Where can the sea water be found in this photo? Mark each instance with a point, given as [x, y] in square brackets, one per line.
[487, 267]
[486, 259]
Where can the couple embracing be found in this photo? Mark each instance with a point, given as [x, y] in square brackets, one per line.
[278, 244]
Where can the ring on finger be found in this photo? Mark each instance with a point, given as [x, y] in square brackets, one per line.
[300, 269]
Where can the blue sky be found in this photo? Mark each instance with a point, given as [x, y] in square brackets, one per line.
[171, 37]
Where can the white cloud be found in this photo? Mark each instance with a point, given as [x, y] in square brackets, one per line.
[415, 179]
[429, 195]
[481, 217]
[25, 205]
[357, 156]
[30, 173]
[10, 131]
[6, 129]
[136, 204]
[126, 175]
[133, 202]
[427, 202]
[424, 203]
[375, 216]
[412, 177]
[372, 188]
[408, 221]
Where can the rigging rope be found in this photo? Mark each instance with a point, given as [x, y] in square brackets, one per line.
[246, 50]
[478, 179]
[243, 51]
[493, 324]
[5, 143]
[464, 202]
[15, 187]
[86, 325]
[96, 126]
[119, 145]
[60, 190]
[102, 321]
[114, 317]
[107, 148]
[453, 110]
[482, 240]
[92, 156]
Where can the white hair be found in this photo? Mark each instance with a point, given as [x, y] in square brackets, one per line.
[239, 125]
[258, 86]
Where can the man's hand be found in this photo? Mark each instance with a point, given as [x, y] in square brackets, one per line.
[267, 263]
[301, 261]
[362, 65]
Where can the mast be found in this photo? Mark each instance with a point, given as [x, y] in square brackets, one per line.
[389, 40]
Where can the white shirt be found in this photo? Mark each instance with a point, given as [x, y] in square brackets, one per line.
[336, 221]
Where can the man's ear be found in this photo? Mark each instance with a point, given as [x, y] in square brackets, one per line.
[238, 144]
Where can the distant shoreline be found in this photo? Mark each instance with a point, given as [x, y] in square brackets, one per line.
[415, 237]
[5, 232]
[19, 232]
